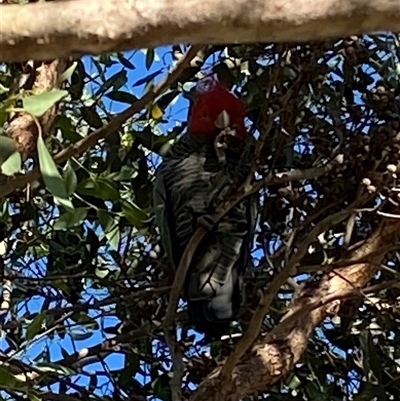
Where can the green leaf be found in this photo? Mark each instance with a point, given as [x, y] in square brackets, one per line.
[102, 272]
[55, 368]
[116, 81]
[108, 190]
[71, 218]
[124, 174]
[160, 387]
[6, 107]
[88, 187]
[156, 112]
[122, 96]
[62, 286]
[107, 60]
[37, 105]
[110, 228]
[3, 89]
[77, 82]
[64, 124]
[3, 116]
[7, 379]
[371, 360]
[106, 220]
[125, 62]
[368, 392]
[35, 326]
[70, 178]
[90, 115]
[120, 80]
[224, 73]
[131, 368]
[51, 176]
[12, 165]
[169, 98]
[68, 72]
[80, 336]
[134, 214]
[294, 382]
[314, 393]
[100, 188]
[32, 397]
[149, 58]
[7, 148]
[147, 79]
[10, 159]
[84, 318]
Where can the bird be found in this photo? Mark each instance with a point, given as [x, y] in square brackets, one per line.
[197, 173]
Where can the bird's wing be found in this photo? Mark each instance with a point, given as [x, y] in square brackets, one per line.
[164, 218]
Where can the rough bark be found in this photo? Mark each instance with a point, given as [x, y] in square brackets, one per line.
[9, 185]
[23, 128]
[90, 26]
[275, 355]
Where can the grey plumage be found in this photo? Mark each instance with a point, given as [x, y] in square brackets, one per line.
[189, 184]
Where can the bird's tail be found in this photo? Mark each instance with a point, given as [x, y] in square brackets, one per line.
[213, 316]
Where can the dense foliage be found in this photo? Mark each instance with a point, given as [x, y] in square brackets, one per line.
[84, 284]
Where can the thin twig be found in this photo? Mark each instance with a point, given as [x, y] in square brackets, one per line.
[270, 292]
[27, 373]
[91, 140]
[353, 292]
[388, 215]
[244, 191]
[79, 147]
[348, 262]
[170, 335]
[178, 368]
[295, 175]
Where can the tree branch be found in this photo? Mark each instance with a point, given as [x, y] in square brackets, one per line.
[272, 289]
[91, 26]
[79, 147]
[243, 191]
[169, 321]
[277, 353]
[25, 372]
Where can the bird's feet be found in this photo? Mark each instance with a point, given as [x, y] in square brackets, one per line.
[206, 221]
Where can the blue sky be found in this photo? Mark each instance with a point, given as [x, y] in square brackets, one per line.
[174, 114]
[57, 346]
[162, 61]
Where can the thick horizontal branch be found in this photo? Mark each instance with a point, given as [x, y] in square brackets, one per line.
[91, 26]
[278, 352]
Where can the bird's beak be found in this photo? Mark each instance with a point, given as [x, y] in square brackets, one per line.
[223, 120]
